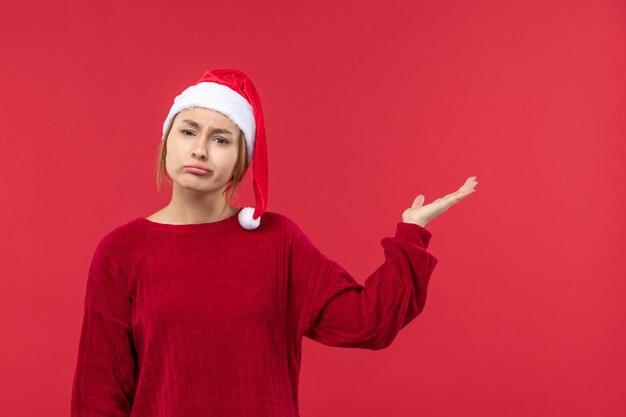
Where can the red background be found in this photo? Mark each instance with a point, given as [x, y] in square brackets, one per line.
[367, 105]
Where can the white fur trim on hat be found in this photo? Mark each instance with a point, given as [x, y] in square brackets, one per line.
[246, 220]
[222, 99]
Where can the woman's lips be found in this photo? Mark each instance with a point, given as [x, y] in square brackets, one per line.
[197, 170]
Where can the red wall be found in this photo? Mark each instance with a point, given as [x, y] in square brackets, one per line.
[367, 105]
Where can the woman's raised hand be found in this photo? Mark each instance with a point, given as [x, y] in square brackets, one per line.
[422, 215]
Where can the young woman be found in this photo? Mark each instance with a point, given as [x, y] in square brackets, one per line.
[200, 308]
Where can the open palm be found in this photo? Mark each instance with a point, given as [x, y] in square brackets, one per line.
[422, 215]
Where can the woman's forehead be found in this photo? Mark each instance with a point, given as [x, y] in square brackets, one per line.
[203, 116]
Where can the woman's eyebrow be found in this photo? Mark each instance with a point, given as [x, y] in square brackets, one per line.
[197, 126]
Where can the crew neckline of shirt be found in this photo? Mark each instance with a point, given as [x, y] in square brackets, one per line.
[191, 226]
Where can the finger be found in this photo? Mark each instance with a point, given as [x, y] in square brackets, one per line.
[461, 193]
[456, 196]
[419, 200]
[469, 183]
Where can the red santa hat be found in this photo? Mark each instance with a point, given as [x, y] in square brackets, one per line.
[231, 93]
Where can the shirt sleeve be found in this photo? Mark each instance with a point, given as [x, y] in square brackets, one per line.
[104, 379]
[340, 312]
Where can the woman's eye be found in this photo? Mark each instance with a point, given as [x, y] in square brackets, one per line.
[185, 131]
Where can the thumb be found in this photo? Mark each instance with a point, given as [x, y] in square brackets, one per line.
[419, 200]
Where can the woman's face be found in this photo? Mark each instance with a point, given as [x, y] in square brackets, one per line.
[206, 138]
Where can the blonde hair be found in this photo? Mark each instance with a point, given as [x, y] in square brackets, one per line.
[241, 165]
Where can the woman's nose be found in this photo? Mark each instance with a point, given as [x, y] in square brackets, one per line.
[199, 153]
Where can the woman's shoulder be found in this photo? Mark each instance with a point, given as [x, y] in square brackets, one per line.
[118, 237]
[288, 228]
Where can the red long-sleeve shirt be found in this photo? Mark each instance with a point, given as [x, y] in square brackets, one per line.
[208, 319]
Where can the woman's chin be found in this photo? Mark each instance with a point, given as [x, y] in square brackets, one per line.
[197, 186]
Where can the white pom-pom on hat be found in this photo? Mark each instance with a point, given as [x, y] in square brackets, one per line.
[241, 103]
[246, 219]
